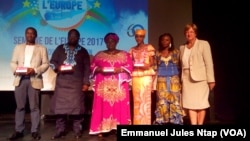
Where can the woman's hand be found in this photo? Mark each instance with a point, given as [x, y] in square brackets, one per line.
[211, 85]
[118, 70]
[99, 70]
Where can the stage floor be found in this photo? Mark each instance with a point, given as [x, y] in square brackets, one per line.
[47, 130]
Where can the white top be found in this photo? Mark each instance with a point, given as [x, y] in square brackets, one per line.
[28, 54]
[185, 57]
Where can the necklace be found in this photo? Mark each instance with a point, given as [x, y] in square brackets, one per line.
[166, 59]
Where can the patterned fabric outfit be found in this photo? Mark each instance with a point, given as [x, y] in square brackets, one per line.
[68, 97]
[142, 85]
[111, 104]
[168, 107]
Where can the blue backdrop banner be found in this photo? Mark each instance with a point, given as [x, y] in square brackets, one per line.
[54, 18]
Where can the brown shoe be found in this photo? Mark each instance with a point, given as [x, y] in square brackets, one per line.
[16, 135]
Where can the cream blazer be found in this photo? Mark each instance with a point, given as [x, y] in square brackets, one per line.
[200, 61]
[39, 61]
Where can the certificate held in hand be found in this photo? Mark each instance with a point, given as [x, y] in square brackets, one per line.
[66, 68]
[138, 64]
[108, 69]
[21, 70]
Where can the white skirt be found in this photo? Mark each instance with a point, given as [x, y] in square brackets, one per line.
[195, 94]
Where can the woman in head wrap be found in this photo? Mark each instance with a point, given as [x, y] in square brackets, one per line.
[142, 78]
[111, 71]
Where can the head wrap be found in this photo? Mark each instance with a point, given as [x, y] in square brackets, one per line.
[112, 36]
[140, 32]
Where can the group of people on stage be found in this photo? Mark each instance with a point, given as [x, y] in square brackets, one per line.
[181, 77]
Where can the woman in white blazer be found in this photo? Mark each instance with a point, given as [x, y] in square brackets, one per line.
[197, 75]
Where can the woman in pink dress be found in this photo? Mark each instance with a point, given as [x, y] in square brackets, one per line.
[111, 70]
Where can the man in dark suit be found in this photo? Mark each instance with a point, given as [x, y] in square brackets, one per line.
[29, 61]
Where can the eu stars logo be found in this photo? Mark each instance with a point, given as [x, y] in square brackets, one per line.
[63, 14]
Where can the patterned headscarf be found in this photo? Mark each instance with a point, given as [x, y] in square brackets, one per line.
[111, 36]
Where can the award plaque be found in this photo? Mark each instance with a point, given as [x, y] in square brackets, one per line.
[138, 64]
[66, 68]
[21, 70]
[108, 69]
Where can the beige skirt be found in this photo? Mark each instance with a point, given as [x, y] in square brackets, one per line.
[194, 93]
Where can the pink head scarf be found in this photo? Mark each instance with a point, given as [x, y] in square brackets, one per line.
[111, 36]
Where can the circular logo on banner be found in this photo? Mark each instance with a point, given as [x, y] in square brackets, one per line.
[63, 14]
[132, 28]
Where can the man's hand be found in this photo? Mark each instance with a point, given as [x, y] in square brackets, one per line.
[85, 88]
[30, 71]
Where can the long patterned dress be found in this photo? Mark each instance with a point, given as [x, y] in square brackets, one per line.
[111, 105]
[168, 107]
[142, 85]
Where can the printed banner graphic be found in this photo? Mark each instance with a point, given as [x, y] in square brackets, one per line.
[54, 18]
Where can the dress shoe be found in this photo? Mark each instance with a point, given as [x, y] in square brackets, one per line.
[114, 132]
[36, 135]
[16, 135]
[78, 135]
[58, 135]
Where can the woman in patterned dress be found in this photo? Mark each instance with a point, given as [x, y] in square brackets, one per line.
[168, 87]
[142, 79]
[111, 70]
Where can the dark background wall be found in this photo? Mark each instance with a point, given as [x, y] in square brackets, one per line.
[168, 16]
[225, 26]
